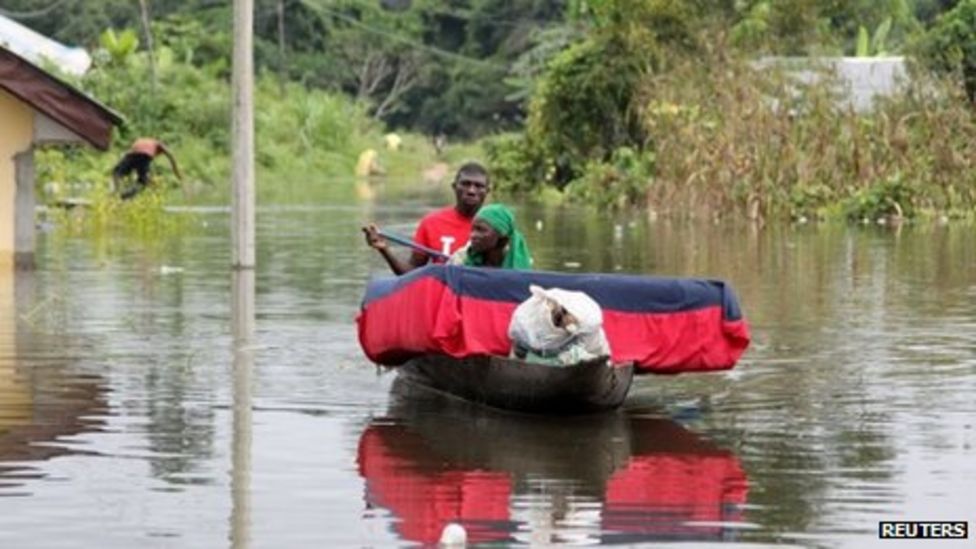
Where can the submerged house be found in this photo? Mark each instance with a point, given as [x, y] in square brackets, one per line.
[36, 108]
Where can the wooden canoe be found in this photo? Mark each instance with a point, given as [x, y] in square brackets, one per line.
[520, 386]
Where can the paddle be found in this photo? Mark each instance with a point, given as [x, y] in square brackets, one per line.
[410, 243]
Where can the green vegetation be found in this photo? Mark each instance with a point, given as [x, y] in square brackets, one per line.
[613, 103]
[950, 46]
[737, 140]
[426, 66]
[663, 104]
[142, 217]
[306, 137]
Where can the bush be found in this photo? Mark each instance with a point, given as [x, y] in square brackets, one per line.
[516, 168]
[892, 198]
[584, 108]
[619, 182]
[949, 46]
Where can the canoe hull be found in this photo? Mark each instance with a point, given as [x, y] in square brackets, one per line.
[520, 386]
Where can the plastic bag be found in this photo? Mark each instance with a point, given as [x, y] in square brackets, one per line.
[558, 326]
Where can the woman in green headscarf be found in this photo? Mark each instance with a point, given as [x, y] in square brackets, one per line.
[495, 241]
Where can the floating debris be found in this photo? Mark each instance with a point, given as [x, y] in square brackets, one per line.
[453, 535]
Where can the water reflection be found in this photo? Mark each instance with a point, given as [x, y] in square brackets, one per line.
[44, 402]
[242, 319]
[611, 478]
[181, 425]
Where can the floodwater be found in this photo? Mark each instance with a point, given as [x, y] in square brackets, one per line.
[149, 397]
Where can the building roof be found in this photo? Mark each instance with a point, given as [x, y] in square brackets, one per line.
[38, 49]
[59, 100]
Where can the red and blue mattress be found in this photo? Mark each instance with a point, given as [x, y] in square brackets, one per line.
[662, 325]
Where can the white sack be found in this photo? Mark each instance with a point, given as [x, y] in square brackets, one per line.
[532, 326]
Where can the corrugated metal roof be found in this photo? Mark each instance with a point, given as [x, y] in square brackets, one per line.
[37, 48]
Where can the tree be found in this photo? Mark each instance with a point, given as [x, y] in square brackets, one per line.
[950, 45]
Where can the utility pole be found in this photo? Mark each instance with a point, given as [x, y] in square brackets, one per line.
[242, 132]
[242, 236]
[151, 50]
[281, 44]
[242, 320]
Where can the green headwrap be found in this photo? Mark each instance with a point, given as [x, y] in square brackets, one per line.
[502, 219]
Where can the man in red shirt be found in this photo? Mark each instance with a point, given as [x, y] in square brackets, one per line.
[446, 229]
[138, 159]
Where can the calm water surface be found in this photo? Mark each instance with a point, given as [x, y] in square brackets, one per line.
[150, 398]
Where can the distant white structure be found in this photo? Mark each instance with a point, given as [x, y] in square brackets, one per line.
[37, 48]
[863, 77]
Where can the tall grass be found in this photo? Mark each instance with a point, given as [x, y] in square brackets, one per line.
[729, 137]
[142, 217]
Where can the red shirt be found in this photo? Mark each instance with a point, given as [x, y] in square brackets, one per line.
[444, 230]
